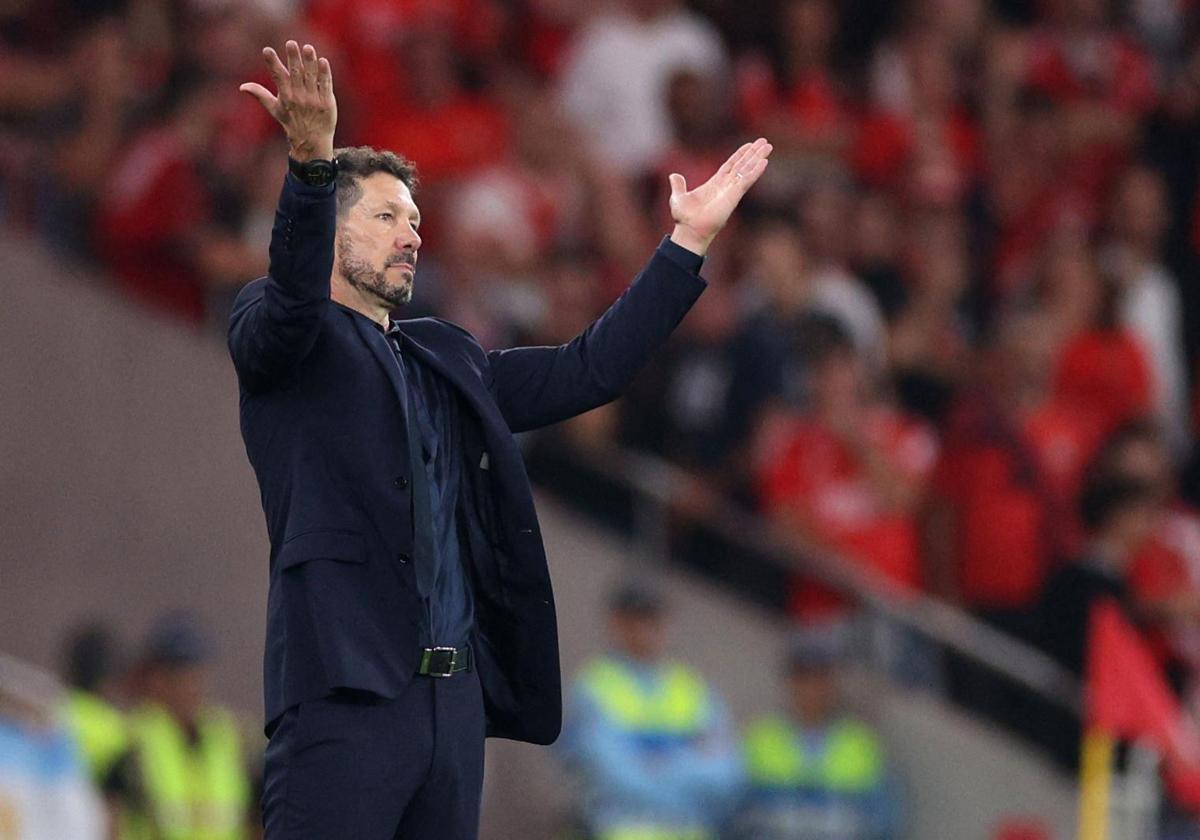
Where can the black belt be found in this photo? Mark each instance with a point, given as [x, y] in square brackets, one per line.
[444, 661]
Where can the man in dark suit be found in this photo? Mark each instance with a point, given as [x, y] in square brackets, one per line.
[410, 611]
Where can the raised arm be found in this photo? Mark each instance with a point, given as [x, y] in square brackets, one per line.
[535, 386]
[276, 320]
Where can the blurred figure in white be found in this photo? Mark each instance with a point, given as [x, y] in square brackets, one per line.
[615, 81]
[45, 793]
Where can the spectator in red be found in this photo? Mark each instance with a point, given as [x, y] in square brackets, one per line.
[848, 475]
[156, 201]
[1101, 80]
[433, 118]
[1002, 508]
[1098, 366]
[795, 96]
[368, 35]
[917, 138]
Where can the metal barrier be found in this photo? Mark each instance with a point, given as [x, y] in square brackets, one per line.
[657, 484]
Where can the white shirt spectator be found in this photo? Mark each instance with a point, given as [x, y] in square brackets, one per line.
[1151, 309]
[841, 295]
[614, 83]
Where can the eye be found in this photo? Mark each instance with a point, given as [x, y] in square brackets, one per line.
[385, 216]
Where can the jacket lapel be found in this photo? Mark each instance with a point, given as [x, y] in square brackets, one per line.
[383, 354]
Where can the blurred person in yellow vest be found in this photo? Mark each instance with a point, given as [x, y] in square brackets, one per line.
[185, 777]
[815, 771]
[93, 704]
[650, 742]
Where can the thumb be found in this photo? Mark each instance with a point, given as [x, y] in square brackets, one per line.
[678, 184]
[261, 94]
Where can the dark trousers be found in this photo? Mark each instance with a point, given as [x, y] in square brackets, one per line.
[358, 767]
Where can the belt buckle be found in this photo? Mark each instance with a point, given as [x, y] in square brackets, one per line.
[438, 661]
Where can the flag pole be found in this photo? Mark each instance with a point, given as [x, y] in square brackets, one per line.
[1095, 784]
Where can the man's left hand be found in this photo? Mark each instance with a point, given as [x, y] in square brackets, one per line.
[701, 213]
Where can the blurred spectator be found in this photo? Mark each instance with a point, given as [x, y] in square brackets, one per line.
[44, 786]
[154, 224]
[930, 340]
[1149, 304]
[917, 138]
[186, 775]
[1005, 488]
[792, 94]
[825, 215]
[614, 84]
[816, 771]
[1165, 574]
[435, 118]
[93, 702]
[1120, 516]
[1099, 366]
[848, 474]
[651, 743]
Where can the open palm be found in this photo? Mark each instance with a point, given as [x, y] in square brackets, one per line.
[702, 212]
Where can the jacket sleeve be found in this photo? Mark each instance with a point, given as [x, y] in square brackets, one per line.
[536, 386]
[275, 320]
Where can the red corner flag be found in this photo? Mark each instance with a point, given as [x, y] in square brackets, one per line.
[1127, 697]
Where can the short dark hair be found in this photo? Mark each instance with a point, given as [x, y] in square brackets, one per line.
[357, 162]
[1106, 498]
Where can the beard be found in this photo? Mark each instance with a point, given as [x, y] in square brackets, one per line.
[366, 278]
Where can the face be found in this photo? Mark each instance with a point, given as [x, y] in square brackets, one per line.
[639, 635]
[813, 694]
[377, 242]
[1141, 212]
[180, 689]
[1147, 460]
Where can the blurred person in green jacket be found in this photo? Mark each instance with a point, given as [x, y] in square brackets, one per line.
[185, 777]
[650, 742]
[815, 771]
[92, 709]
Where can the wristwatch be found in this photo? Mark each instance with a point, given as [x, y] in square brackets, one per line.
[315, 173]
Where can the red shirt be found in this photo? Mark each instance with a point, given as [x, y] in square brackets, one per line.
[451, 139]
[818, 478]
[1011, 491]
[152, 201]
[1104, 372]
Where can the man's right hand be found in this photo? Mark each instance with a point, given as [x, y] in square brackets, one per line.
[305, 105]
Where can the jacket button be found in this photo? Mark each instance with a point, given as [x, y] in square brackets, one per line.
[401, 482]
[403, 558]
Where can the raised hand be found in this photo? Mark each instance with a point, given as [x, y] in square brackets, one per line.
[305, 105]
[701, 213]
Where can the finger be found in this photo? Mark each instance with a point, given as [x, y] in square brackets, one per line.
[754, 173]
[262, 95]
[308, 57]
[324, 77]
[678, 184]
[295, 64]
[732, 160]
[279, 72]
[751, 160]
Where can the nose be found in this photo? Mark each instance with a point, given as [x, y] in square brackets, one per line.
[408, 239]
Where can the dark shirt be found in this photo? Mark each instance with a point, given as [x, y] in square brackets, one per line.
[439, 420]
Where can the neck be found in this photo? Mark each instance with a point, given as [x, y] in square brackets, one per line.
[359, 300]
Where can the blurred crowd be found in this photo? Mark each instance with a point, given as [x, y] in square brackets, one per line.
[952, 335]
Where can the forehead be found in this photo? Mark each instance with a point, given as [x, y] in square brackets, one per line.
[380, 188]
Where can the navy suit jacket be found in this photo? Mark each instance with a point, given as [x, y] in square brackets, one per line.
[322, 417]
